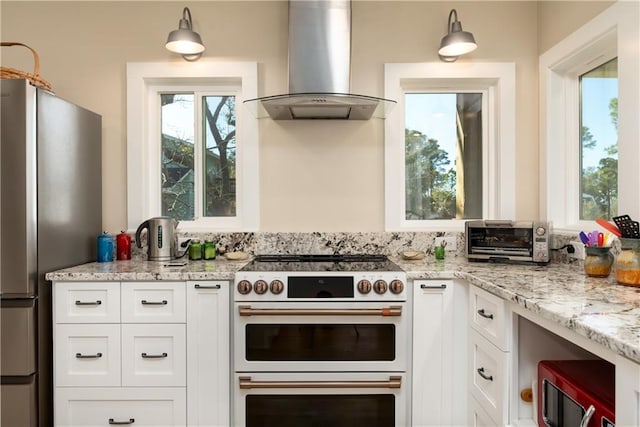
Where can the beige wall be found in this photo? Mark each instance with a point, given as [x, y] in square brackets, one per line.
[314, 176]
[558, 19]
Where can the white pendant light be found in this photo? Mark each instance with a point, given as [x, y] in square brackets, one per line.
[456, 42]
[184, 40]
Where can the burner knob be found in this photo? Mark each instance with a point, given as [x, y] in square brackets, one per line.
[244, 287]
[260, 287]
[364, 286]
[276, 286]
[380, 286]
[396, 286]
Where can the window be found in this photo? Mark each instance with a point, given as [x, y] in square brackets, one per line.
[449, 145]
[589, 101]
[599, 142]
[443, 140]
[192, 146]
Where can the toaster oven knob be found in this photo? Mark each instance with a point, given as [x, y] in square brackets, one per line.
[364, 286]
[244, 287]
[540, 231]
[396, 286]
[260, 287]
[380, 286]
[276, 286]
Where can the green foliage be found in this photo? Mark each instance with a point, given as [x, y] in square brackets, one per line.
[430, 181]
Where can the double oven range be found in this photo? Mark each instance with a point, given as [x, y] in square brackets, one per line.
[321, 340]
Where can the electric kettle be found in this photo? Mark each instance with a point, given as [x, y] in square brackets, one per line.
[160, 237]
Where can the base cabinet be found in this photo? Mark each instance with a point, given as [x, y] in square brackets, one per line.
[439, 332]
[208, 369]
[95, 406]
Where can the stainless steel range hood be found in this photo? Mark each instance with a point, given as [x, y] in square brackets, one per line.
[319, 68]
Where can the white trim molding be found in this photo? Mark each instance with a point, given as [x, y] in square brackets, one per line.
[144, 80]
[498, 82]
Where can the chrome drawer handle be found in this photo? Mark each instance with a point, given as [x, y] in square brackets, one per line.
[443, 286]
[393, 382]
[114, 422]
[98, 302]
[88, 356]
[482, 313]
[154, 356]
[145, 302]
[206, 286]
[483, 375]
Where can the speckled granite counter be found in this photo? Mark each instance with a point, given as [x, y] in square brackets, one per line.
[598, 309]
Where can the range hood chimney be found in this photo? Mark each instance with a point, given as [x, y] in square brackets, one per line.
[319, 68]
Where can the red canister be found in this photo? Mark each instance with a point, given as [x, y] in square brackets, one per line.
[123, 246]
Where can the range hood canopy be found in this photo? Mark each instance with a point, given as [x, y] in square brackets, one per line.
[320, 68]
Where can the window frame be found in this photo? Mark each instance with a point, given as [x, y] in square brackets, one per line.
[612, 33]
[497, 83]
[145, 83]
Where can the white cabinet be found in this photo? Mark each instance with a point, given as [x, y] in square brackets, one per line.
[208, 365]
[489, 363]
[120, 353]
[92, 406]
[439, 331]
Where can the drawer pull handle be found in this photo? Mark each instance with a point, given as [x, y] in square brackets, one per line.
[443, 286]
[145, 302]
[206, 286]
[88, 356]
[120, 423]
[483, 375]
[98, 302]
[482, 313]
[154, 356]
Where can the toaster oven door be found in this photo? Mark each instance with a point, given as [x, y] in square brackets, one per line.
[500, 242]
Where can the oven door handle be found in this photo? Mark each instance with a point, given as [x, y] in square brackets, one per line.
[246, 310]
[393, 382]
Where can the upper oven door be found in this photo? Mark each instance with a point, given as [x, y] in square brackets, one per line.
[320, 336]
[321, 399]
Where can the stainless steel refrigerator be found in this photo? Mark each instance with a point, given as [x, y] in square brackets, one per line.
[50, 216]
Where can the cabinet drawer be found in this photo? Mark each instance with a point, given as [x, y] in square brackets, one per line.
[488, 316]
[87, 302]
[478, 417]
[87, 355]
[152, 302]
[153, 355]
[489, 369]
[108, 406]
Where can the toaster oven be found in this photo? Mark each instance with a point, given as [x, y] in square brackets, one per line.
[501, 240]
[576, 393]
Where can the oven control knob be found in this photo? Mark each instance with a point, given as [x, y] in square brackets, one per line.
[364, 286]
[244, 287]
[396, 286]
[260, 287]
[380, 286]
[276, 286]
[540, 231]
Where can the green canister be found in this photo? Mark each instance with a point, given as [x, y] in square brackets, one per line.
[195, 250]
[209, 250]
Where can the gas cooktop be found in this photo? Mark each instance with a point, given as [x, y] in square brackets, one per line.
[321, 262]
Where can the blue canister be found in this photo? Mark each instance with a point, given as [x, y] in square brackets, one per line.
[105, 247]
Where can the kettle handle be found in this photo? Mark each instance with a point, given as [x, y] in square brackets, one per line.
[139, 231]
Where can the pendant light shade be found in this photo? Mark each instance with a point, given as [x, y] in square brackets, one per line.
[184, 40]
[456, 42]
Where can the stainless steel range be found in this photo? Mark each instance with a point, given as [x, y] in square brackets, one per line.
[321, 340]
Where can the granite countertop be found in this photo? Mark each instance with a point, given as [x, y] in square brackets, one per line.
[598, 309]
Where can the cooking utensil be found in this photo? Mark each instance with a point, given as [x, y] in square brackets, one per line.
[628, 228]
[608, 226]
[584, 238]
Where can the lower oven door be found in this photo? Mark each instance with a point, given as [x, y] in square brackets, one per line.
[338, 337]
[320, 399]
